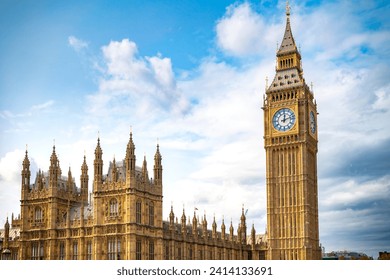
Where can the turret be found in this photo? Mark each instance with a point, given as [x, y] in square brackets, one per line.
[183, 224]
[231, 231]
[39, 180]
[158, 167]
[239, 239]
[194, 225]
[243, 227]
[171, 219]
[204, 226]
[6, 234]
[70, 181]
[253, 236]
[98, 166]
[84, 180]
[5, 252]
[130, 158]
[223, 229]
[214, 227]
[114, 173]
[145, 175]
[26, 174]
[54, 170]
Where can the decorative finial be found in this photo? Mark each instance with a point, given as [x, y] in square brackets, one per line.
[287, 9]
[266, 82]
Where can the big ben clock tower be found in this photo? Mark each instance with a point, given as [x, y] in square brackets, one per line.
[290, 141]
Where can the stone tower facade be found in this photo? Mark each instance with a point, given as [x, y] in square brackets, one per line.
[127, 206]
[290, 141]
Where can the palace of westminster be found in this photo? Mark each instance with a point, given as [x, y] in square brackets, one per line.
[122, 218]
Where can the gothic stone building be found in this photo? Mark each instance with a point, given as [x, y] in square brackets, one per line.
[122, 220]
[123, 217]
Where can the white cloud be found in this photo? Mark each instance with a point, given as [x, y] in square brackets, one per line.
[135, 85]
[10, 166]
[42, 106]
[10, 180]
[77, 44]
[383, 98]
[121, 60]
[337, 34]
[33, 110]
[243, 32]
[162, 70]
[352, 193]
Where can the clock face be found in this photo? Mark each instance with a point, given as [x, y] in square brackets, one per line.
[313, 125]
[283, 119]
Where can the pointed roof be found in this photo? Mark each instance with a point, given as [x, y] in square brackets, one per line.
[26, 161]
[223, 227]
[288, 43]
[53, 157]
[130, 145]
[6, 224]
[144, 165]
[84, 166]
[98, 149]
[157, 155]
[69, 173]
[171, 215]
[214, 223]
[183, 218]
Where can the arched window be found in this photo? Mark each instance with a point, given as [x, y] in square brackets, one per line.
[138, 212]
[113, 207]
[38, 214]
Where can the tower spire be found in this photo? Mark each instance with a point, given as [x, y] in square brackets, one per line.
[54, 169]
[145, 170]
[158, 167]
[84, 180]
[288, 43]
[98, 166]
[130, 156]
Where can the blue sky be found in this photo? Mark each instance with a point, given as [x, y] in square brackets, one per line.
[192, 74]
